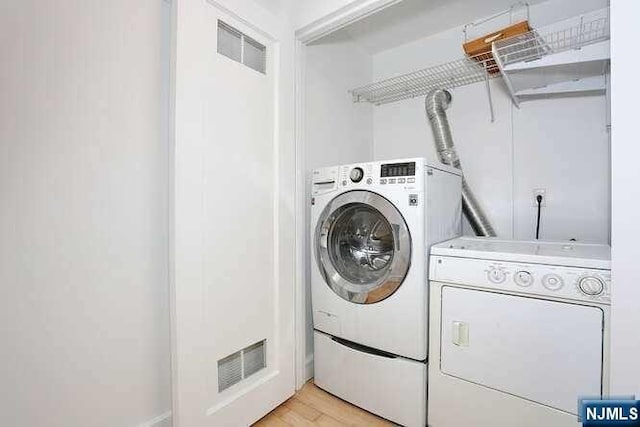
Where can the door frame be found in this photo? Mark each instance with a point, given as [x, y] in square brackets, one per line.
[352, 12]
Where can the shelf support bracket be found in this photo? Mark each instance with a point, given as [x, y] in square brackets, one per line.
[505, 78]
[488, 85]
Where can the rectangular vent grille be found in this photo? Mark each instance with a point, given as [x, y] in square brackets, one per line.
[241, 364]
[236, 45]
[229, 371]
[254, 359]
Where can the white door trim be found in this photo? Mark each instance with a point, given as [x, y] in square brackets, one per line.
[340, 18]
[302, 372]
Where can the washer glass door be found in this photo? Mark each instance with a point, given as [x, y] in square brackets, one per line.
[363, 247]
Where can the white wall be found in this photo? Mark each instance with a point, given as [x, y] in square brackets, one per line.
[625, 346]
[335, 129]
[560, 145]
[83, 213]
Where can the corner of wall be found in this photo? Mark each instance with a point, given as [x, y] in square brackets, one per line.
[308, 368]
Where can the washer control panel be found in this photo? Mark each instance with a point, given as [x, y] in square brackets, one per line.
[404, 175]
[573, 283]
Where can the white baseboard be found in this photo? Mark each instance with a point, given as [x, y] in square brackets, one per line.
[162, 420]
[308, 368]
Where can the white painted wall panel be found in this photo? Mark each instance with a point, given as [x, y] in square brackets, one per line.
[336, 129]
[84, 317]
[562, 145]
[625, 316]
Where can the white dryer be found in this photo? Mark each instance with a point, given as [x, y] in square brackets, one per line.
[371, 226]
[519, 331]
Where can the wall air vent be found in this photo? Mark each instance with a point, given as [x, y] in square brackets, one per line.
[241, 364]
[236, 45]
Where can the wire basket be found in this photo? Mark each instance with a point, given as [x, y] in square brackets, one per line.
[532, 46]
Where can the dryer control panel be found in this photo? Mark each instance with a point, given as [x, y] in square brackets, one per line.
[563, 282]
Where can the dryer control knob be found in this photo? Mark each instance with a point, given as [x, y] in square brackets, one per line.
[496, 276]
[553, 282]
[591, 285]
[356, 174]
[523, 278]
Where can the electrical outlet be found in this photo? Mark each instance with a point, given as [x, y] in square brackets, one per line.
[539, 192]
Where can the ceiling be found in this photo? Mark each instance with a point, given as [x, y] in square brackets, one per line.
[411, 20]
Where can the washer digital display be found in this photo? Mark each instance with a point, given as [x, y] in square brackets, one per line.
[398, 169]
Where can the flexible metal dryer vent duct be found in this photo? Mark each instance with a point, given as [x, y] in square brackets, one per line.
[436, 103]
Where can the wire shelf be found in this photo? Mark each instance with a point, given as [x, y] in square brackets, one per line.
[532, 46]
[507, 56]
[452, 74]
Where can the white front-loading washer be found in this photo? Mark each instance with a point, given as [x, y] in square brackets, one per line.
[518, 331]
[371, 226]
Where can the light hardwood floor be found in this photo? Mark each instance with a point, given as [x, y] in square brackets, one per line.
[312, 406]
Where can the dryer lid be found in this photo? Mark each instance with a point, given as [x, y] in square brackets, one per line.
[569, 254]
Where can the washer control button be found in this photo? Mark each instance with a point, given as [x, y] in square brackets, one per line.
[383, 181]
[392, 180]
[591, 285]
[523, 278]
[411, 180]
[401, 180]
[369, 181]
[496, 276]
[344, 183]
[552, 281]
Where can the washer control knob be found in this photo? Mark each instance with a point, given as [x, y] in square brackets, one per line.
[553, 282]
[356, 174]
[496, 276]
[523, 278]
[591, 285]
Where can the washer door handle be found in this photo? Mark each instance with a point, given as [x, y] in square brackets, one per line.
[396, 234]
